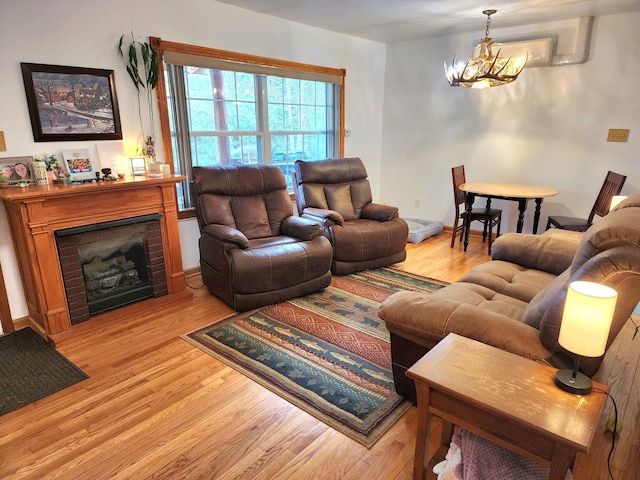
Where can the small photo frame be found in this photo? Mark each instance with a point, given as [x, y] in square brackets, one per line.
[138, 166]
[17, 169]
[78, 165]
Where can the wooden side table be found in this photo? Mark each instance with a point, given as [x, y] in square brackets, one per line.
[502, 397]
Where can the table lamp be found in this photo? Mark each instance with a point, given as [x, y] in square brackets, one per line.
[586, 320]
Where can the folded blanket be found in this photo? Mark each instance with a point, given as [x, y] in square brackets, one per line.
[446, 469]
[471, 457]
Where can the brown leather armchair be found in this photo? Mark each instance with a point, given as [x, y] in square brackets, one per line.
[336, 193]
[253, 250]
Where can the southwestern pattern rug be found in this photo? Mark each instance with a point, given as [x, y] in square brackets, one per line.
[327, 353]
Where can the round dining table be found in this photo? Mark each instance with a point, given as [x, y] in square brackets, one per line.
[516, 192]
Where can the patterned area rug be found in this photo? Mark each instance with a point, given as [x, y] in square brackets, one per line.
[31, 369]
[327, 352]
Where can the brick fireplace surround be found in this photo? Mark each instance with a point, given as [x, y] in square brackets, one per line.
[36, 212]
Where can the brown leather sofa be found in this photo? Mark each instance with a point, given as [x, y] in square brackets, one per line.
[253, 250]
[336, 193]
[515, 301]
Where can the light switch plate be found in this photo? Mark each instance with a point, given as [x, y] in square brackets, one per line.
[618, 135]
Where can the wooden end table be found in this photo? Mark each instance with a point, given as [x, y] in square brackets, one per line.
[502, 397]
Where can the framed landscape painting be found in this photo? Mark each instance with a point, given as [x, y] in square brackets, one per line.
[71, 103]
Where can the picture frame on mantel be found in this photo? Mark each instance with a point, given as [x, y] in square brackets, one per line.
[16, 170]
[78, 165]
[71, 103]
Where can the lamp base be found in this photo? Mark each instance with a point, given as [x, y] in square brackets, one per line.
[565, 380]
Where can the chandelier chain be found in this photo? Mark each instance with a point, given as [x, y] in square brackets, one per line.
[488, 13]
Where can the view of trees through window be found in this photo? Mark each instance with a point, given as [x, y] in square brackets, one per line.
[234, 117]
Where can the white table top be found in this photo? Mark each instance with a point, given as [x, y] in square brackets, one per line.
[513, 190]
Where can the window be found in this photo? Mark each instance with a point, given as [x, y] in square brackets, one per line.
[225, 108]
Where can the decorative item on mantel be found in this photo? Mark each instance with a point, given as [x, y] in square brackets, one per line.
[39, 171]
[143, 68]
[153, 167]
[54, 172]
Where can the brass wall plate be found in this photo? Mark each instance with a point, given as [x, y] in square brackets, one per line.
[618, 135]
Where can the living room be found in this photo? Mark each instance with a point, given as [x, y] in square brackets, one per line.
[407, 124]
[548, 128]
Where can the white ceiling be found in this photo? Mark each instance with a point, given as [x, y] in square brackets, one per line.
[399, 20]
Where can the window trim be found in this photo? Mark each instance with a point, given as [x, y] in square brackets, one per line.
[162, 46]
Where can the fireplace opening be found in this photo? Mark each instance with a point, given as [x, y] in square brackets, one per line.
[111, 264]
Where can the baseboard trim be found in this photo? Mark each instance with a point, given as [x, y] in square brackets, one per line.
[192, 272]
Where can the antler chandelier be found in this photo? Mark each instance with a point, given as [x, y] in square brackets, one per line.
[487, 69]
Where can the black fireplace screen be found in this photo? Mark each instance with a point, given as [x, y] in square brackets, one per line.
[115, 272]
[108, 265]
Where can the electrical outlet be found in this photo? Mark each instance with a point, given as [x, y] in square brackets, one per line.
[416, 202]
[618, 135]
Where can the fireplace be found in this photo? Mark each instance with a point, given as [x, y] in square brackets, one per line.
[41, 215]
[111, 264]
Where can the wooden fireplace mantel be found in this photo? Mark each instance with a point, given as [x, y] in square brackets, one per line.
[37, 211]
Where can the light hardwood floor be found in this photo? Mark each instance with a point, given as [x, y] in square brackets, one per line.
[157, 407]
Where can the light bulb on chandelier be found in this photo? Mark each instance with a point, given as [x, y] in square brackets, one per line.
[487, 69]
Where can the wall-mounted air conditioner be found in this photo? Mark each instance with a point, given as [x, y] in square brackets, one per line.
[540, 51]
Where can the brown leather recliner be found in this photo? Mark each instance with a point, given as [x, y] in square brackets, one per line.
[336, 193]
[515, 302]
[253, 250]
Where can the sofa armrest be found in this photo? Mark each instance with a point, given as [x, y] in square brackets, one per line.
[551, 252]
[378, 212]
[426, 319]
[323, 216]
[301, 228]
[227, 235]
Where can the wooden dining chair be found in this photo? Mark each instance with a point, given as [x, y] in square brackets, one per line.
[612, 186]
[490, 217]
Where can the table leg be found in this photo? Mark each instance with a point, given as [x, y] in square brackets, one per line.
[522, 206]
[447, 434]
[536, 215]
[467, 218]
[561, 461]
[422, 435]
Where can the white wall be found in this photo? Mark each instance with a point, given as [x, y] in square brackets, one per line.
[81, 33]
[549, 127]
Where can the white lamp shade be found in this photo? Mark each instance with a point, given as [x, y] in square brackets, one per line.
[615, 200]
[586, 319]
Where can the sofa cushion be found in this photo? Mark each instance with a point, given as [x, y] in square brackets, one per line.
[509, 279]
[250, 216]
[483, 298]
[339, 200]
[550, 252]
[545, 299]
[616, 229]
[426, 319]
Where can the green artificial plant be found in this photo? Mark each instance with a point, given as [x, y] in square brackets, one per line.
[142, 65]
